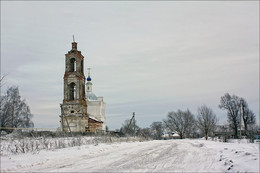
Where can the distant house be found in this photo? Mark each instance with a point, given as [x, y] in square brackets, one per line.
[223, 132]
[171, 135]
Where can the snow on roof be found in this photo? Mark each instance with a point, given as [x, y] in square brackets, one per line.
[94, 118]
[175, 134]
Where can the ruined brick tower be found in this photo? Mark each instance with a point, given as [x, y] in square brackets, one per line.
[74, 116]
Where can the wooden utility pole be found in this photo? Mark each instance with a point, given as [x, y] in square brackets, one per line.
[134, 122]
[62, 123]
[132, 119]
[13, 116]
[68, 126]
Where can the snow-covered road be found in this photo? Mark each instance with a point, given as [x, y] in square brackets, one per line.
[149, 156]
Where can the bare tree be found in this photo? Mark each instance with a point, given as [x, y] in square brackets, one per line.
[206, 120]
[129, 127]
[181, 121]
[232, 105]
[145, 132]
[247, 115]
[14, 111]
[157, 130]
[2, 78]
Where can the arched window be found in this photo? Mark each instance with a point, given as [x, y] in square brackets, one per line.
[81, 66]
[72, 65]
[72, 91]
[83, 89]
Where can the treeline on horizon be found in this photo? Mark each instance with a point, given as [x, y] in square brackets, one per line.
[204, 124]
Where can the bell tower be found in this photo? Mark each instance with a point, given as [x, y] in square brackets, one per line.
[74, 116]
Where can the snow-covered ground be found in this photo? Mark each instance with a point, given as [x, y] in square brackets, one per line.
[149, 156]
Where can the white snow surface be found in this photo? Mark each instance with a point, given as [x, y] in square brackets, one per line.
[149, 156]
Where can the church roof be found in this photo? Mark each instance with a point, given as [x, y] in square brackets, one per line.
[94, 118]
[91, 96]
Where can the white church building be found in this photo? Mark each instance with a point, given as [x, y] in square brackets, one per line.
[95, 105]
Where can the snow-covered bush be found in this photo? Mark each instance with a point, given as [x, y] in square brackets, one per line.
[12, 145]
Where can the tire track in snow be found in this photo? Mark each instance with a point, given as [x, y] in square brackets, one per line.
[149, 156]
[142, 160]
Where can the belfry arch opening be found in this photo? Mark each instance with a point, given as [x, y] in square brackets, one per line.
[72, 65]
[72, 93]
[82, 67]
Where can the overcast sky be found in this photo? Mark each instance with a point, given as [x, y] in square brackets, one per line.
[146, 57]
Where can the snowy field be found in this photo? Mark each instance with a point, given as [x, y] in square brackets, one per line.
[148, 156]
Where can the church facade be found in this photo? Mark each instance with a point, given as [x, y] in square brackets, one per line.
[96, 105]
[80, 112]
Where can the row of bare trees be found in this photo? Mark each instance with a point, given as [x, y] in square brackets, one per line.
[185, 124]
[181, 122]
[238, 115]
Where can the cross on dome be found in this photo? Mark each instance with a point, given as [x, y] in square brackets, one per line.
[89, 78]
[73, 38]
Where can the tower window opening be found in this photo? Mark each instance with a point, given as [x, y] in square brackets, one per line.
[72, 91]
[73, 65]
[81, 66]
